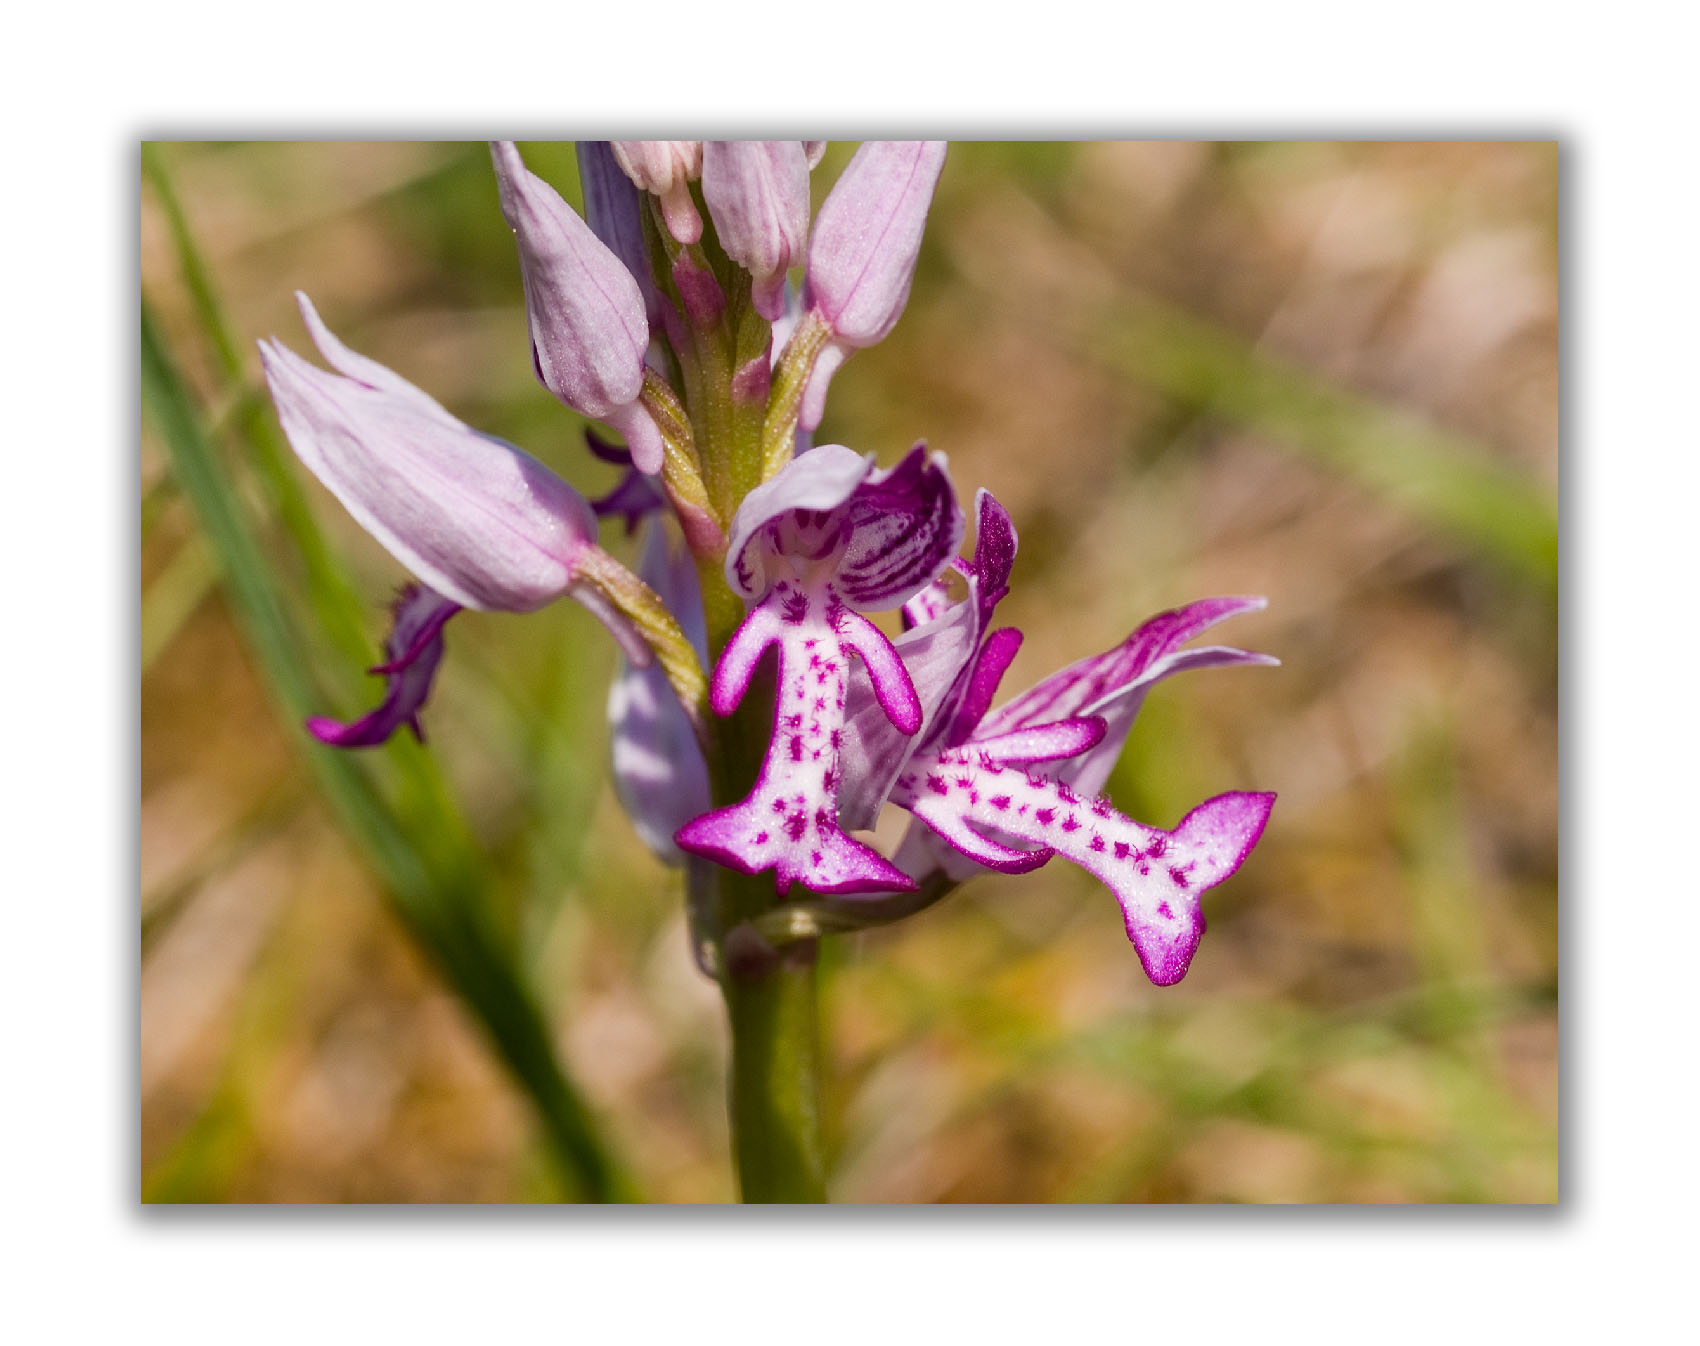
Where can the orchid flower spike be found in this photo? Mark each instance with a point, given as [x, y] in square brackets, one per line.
[862, 256]
[589, 330]
[481, 523]
[758, 195]
[828, 538]
[1007, 789]
[666, 169]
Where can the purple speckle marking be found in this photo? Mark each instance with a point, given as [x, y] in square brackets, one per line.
[1097, 842]
[1122, 849]
[1178, 875]
[1000, 802]
[1070, 823]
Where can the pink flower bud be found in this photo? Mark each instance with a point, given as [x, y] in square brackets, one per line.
[666, 168]
[758, 193]
[863, 251]
[589, 334]
[868, 235]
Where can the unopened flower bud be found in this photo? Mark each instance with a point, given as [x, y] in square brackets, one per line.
[758, 193]
[613, 209]
[589, 333]
[666, 168]
[863, 251]
[868, 235]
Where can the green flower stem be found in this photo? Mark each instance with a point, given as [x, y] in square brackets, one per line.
[774, 1091]
[775, 1085]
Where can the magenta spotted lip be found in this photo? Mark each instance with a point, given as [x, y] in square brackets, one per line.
[827, 538]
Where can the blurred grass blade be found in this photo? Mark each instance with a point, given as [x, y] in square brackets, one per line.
[335, 603]
[439, 892]
[173, 597]
[1442, 478]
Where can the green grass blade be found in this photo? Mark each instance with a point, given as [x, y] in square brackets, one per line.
[336, 604]
[439, 893]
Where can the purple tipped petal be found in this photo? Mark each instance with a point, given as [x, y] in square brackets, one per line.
[1042, 743]
[659, 771]
[890, 680]
[758, 195]
[589, 331]
[993, 662]
[1090, 680]
[412, 653]
[994, 552]
[479, 521]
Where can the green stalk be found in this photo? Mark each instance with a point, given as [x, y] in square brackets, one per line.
[775, 1085]
[774, 1090]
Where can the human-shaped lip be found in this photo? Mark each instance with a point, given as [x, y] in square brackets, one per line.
[828, 538]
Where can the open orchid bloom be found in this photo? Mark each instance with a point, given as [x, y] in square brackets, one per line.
[1007, 789]
[482, 524]
[664, 312]
[813, 548]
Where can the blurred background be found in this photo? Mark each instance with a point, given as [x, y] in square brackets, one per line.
[1323, 372]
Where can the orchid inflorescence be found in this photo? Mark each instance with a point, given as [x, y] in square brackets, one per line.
[665, 313]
